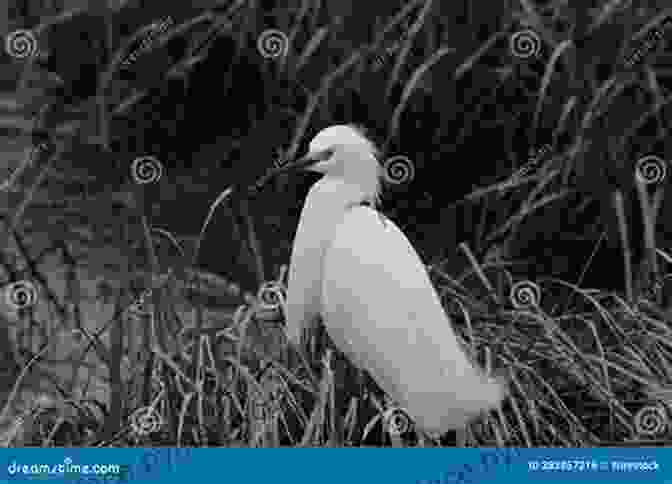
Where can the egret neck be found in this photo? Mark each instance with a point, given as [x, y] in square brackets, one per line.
[326, 204]
[347, 159]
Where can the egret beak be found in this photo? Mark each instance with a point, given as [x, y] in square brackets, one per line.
[308, 160]
[302, 163]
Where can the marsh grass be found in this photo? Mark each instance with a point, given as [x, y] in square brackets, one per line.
[212, 361]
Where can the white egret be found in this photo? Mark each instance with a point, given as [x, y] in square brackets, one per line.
[360, 274]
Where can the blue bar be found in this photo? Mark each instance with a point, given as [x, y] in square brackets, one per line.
[337, 466]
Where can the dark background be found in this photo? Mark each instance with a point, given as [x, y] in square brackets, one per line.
[224, 119]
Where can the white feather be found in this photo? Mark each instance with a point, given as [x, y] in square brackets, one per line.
[381, 310]
[362, 275]
[322, 211]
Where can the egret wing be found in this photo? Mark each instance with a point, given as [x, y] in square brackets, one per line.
[318, 218]
[381, 310]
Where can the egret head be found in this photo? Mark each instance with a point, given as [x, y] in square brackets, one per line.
[343, 151]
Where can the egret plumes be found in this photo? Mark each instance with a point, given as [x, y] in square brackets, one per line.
[359, 273]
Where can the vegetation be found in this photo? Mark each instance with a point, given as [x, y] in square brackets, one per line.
[199, 359]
